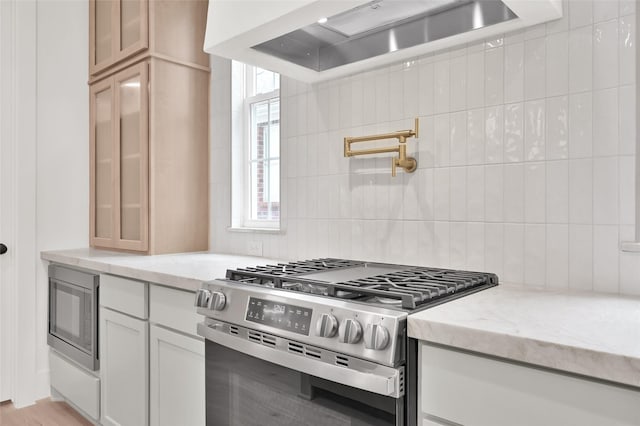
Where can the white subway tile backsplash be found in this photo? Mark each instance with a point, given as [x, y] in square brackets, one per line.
[557, 182]
[605, 54]
[441, 193]
[458, 194]
[514, 132]
[581, 191]
[534, 68]
[441, 243]
[494, 193]
[605, 191]
[426, 88]
[627, 52]
[605, 258]
[475, 247]
[475, 193]
[581, 257]
[526, 158]
[557, 132]
[581, 59]
[410, 98]
[458, 138]
[514, 193]
[494, 134]
[604, 10]
[475, 137]
[605, 123]
[557, 253]
[580, 13]
[534, 130]
[458, 82]
[458, 245]
[442, 140]
[475, 79]
[626, 177]
[581, 125]
[441, 81]
[627, 120]
[494, 248]
[535, 193]
[557, 60]
[534, 255]
[514, 73]
[494, 76]
[513, 253]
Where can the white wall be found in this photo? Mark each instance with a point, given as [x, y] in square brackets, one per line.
[62, 143]
[525, 160]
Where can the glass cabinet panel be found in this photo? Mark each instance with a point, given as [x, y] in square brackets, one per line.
[130, 159]
[130, 23]
[103, 164]
[103, 30]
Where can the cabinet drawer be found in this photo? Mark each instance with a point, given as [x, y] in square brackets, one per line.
[124, 295]
[173, 308]
[76, 385]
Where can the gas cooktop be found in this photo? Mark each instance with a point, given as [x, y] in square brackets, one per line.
[402, 287]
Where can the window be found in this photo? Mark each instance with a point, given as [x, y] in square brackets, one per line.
[256, 147]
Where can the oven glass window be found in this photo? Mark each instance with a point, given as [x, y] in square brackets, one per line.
[246, 391]
[71, 316]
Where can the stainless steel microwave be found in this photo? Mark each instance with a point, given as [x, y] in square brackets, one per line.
[73, 314]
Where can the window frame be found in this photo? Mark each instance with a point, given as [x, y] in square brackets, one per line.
[247, 126]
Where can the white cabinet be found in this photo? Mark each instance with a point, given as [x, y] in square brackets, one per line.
[124, 369]
[466, 389]
[176, 379]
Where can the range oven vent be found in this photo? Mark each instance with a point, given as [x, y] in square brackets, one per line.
[261, 338]
[402, 381]
[304, 350]
[233, 330]
[342, 360]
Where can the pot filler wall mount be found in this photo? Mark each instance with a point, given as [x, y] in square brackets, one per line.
[338, 38]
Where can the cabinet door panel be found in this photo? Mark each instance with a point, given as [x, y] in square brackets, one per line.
[102, 174]
[102, 37]
[177, 380]
[124, 355]
[132, 102]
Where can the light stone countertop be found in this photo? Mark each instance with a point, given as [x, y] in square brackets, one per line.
[185, 271]
[596, 335]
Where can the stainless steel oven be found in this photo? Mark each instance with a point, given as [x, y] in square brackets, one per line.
[73, 314]
[318, 342]
[250, 385]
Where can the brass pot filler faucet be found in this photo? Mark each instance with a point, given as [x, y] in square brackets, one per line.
[409, 164]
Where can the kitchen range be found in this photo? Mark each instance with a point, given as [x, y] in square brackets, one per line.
[319, 342]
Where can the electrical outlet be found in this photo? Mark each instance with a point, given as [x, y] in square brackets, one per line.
[254, 248]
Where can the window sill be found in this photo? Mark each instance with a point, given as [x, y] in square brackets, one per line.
[255, 230]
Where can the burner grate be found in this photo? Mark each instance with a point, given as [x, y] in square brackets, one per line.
[408, 288]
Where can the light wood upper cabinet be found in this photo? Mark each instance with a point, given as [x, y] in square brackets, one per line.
[118, 29]
[120, 164]
[121, 30]
[149, 134]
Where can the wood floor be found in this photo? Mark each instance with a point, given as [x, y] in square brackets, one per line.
[44, 413]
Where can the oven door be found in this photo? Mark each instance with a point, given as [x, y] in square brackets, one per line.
[73, 301]
[245, 389]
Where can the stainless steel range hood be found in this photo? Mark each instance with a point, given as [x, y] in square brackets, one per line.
[322, 39]
[380, 27]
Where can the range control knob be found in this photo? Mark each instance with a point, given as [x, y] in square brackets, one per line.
[217, 301]
[350, 331]
[202, 298]
[327, 326]
[376, 337]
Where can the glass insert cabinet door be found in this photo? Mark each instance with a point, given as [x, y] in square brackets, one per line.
[118, 29]
[119, 155]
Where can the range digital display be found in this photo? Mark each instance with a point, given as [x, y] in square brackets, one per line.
[279, 315]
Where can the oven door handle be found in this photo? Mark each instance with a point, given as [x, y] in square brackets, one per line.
[378, 379]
